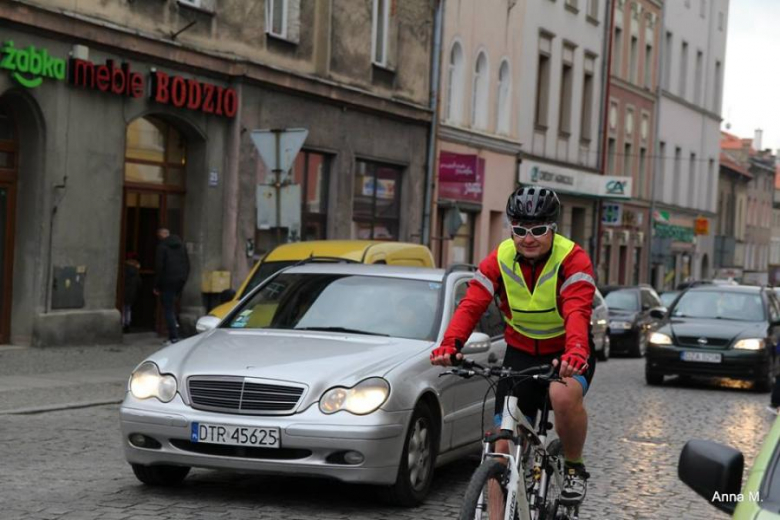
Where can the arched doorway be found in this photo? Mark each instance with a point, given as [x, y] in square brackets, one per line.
[9, 165]
[154, 190]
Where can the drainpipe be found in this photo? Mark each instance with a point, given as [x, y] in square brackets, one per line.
[657, 145]
[434, 104]
[230, 239]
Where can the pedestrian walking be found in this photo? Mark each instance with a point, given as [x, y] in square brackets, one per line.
[172, 267]
[132, 286]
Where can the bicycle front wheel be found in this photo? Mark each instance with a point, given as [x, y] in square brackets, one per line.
[486, 493]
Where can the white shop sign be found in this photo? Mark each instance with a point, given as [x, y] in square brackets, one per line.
[568, 180]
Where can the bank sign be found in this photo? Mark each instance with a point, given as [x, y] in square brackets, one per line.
[567, 180]
[30, 66]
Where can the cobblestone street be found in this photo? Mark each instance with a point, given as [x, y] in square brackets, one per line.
[69, 465]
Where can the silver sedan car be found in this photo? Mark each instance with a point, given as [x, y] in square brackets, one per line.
[323, 370]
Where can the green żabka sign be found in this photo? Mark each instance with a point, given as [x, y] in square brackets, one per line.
[31, 65]
[678, 233]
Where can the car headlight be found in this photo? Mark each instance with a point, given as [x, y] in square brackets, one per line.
[147, 382]
[749, 344]
[620, 325]
[656, 338]
[361, 399]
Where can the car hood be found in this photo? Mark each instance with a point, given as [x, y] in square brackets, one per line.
[715, 329]
[318, 360]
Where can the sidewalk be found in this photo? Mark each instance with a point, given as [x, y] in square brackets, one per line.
[35, 380]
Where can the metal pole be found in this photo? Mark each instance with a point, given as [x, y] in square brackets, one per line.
[278, 184]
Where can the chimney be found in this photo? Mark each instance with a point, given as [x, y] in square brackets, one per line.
[757, 139]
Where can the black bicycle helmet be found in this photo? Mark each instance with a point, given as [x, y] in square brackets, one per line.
[533, 204]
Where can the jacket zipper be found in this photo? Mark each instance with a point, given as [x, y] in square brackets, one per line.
[533, 286]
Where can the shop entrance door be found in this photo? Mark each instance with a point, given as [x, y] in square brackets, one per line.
[8, 174]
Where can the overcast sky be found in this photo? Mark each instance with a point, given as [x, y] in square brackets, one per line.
[751, 96]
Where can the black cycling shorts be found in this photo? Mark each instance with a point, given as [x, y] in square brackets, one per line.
[531, 393]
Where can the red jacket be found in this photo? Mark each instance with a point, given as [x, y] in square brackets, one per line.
[575, 303]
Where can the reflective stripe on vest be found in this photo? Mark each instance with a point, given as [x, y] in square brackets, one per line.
[534, 314]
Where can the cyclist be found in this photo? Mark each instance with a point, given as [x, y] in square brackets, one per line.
[546, 286]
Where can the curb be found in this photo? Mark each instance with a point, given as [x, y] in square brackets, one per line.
[59, 407]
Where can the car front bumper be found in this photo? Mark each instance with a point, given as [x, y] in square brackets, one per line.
[308, 439]
[623, 340]
[748, 365]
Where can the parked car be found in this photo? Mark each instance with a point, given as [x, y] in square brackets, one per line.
[356, 251]
[599, 326]
[718, 331]
[709, 468]
[668, 297]
[322, 370]
[629, 317]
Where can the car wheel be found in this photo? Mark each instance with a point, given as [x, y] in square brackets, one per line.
[654, 378]
[640, 347]
[160, 475]
[603, 354]
[415, 472]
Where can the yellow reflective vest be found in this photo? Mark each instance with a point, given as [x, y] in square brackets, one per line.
[534, 314]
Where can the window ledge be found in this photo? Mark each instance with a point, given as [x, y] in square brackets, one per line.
[564, 135]
[385, 68]
[571, 8]
[585, 141]
[540, 127]
[280, 38]
[199, 9]
[592, 20]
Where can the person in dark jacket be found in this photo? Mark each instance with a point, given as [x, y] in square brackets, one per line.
[172, 268]
[132, 286]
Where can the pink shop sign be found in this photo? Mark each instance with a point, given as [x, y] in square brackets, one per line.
[456, 167]
[467, 191]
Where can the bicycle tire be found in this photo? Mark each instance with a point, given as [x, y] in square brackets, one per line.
[489, 470]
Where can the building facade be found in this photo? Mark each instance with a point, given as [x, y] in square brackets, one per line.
[693, 61]
[630, 140]
[119, 118]
[731, 223]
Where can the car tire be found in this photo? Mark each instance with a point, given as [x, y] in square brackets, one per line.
[654, 378]
[165, 476]
[415, 471]
[603, 354]
[640, 347]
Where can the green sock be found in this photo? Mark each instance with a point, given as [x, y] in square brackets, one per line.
[576, 462]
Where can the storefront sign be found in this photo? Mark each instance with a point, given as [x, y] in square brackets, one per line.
[30, 66]
[465, 191]
[677, 233]
[702, 226]
[611, 214]
[568, 180]
[456, 167]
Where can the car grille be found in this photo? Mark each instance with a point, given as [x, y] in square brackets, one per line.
[241, 396]
[245, 452]
[693, 341]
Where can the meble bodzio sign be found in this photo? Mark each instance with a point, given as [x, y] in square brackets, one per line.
[31, 66]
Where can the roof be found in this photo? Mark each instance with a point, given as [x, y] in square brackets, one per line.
[391, 271]
[727, 162]
[732, 142]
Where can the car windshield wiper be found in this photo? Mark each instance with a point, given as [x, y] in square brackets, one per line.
[344, 329]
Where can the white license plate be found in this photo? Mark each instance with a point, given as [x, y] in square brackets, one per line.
[702, 357]
[235, 435]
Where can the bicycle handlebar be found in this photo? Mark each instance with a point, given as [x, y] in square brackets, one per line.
[468, 368]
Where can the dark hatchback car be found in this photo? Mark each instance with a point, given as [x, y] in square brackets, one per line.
[630, 320]
[718, 331]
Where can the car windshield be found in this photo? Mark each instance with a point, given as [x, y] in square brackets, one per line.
[265, 270]
[720, 305]
[373, 305]
[667, 298]
[622, 300]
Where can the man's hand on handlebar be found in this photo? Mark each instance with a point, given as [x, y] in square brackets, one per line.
[447, 355]
[570, 369]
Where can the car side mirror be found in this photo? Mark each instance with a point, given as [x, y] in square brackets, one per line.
[207, 323]
[658, 313]
[478, 342]
[713, 471]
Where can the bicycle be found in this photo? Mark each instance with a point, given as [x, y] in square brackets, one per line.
[529, 463]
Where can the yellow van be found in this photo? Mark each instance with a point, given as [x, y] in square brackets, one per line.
[363, 251]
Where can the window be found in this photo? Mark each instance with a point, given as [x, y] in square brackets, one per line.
[276, 17]
[479, 93]
[717, 90]
[462, 248]
[593, 10]
[692, 184]
[634, 59]
[543, 83]
[617, 52]
[712, 183]
[311, 171]
[587, 105]
[572, 4]
[380, 27]
[627, 172]
[567, 84]
[721, 20]
[677, 195]
[642, 174]
[455, 85]
[703, 8]
[683, 69]
[611, 151]
[504, 98]
[648, 75]
[376, 205]
[697, 79]
[661, 179]
[668, 62]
